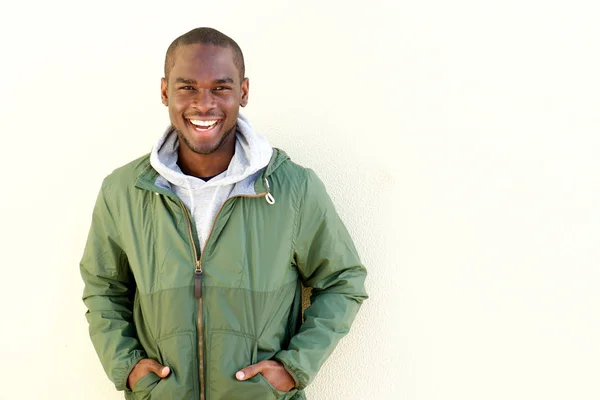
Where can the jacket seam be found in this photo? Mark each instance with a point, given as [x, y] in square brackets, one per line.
[124, 261]
[167, 289]
[289, 283]
[234, 332]
[146, 168]
[118, 216]
[186, 332]
[298, 206]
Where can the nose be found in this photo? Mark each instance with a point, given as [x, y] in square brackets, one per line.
[203, 100]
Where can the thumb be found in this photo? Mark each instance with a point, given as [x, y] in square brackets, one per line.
[249, 371]
[159, 369]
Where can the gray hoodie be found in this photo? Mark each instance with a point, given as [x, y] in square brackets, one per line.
[204, 199]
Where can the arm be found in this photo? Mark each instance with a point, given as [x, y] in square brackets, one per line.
[328, 262]
[108, 295]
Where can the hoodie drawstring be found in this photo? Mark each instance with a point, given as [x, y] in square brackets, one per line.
[269, 197]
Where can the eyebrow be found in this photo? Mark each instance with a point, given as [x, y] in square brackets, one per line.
[186, 81]
[193, 81]
[223, 80]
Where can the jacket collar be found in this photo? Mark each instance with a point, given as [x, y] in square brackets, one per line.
[147, 178]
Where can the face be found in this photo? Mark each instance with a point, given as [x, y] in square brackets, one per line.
[204, 92]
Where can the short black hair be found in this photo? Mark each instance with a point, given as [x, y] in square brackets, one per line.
[205, 36]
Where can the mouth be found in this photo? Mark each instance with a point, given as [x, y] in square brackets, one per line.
[204, 126]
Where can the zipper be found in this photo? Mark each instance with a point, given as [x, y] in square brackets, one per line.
[198, 274]
[198, 296]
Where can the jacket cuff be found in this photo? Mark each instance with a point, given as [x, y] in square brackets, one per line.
[300, 377]
[122, 374]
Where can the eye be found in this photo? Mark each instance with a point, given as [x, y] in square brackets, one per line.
[221, 88]
[187, 88]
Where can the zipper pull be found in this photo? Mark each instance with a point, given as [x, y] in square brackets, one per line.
[198, 284]
[198, 280]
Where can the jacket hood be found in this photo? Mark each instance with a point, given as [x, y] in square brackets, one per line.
[252, 153]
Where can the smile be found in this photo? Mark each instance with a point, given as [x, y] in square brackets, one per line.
[203, 126]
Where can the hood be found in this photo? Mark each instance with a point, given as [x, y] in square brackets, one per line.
[252, 153]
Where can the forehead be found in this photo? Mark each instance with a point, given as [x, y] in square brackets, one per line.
[203, 62]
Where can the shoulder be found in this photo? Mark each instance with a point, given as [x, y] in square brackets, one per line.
[282, 164]
[304, 180]
[125, 176]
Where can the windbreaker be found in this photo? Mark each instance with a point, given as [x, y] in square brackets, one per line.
[151, 294]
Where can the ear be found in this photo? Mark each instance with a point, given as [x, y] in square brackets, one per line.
[245, 92]
[163, 91]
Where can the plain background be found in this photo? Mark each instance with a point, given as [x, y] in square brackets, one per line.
[459, 141]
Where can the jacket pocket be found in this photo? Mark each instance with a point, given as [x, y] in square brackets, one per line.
[278, 393]
[144, 386]
[177, 352]
[228, 352]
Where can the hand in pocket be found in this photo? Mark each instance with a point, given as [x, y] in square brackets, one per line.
[144, 367]
[273, 371]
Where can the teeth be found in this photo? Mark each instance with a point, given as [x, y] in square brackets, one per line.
[203, 124]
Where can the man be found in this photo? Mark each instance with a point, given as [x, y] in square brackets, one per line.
[195, 260]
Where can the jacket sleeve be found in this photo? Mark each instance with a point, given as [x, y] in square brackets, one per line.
[328, 263]
[108, 294]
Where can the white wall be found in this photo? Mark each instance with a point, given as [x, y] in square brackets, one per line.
[458, 139]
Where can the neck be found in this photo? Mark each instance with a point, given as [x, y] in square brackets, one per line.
[204, 165]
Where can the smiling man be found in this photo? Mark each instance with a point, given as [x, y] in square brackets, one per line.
[197, 253]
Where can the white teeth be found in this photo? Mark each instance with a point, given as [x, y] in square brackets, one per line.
[203, 124]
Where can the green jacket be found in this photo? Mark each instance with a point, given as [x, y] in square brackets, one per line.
[141, 264]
